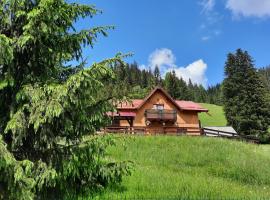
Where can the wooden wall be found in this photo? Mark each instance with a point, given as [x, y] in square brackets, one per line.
[188, 119]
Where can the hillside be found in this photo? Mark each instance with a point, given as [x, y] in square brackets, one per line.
[192, 167]
[215, 116]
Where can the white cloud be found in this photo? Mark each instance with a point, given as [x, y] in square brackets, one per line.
[194, 71]
[165, 60]
[249, 8]
[245, 8]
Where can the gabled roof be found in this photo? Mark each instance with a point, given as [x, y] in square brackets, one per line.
[121, 114]
[190, 105]
[133, 104]
[181, 105]
[162, 91]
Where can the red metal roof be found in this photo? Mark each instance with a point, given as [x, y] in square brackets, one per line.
[182, 105]
[121, 114]
[133, 104]
[190, 105]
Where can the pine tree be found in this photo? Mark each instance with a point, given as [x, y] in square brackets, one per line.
[46, 108]
[200, 93]
[144, 79]
[157, 76]
[171, 84]
[214, 94]
[176, 87]
[183, 93]
[191, 90]
[265, 75]
[245, 103]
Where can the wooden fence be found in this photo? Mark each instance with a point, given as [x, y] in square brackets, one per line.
[170, 130]
[230, 135]
[141, 130]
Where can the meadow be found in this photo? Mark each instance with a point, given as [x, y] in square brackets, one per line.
[191, 168]
[215, 116]
[171, 167]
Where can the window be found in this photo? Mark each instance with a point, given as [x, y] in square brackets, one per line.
[159, 106]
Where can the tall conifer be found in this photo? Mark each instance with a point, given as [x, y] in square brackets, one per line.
[245, 102]
[47, 108]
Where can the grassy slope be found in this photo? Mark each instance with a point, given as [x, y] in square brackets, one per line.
[215, 116]
[193, 167]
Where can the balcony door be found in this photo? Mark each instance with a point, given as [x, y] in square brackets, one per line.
[158, 106]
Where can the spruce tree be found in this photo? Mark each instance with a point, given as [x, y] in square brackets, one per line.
[47, 108]
[184, 93]
[214, 94]
[157, 76]
[265, 75]
[176, 87]
[245, 102]
[171, 84]
[144, 78]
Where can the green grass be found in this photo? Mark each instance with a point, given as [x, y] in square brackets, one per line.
[192, 168]
[215, 116]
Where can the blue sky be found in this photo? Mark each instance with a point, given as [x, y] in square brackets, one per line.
[192, 37]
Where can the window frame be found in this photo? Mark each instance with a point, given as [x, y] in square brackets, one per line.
[158, 106]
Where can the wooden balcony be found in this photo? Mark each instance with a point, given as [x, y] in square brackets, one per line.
[160, 115]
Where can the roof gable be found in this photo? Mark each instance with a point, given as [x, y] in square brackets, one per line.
[164, 93]
[181, 105]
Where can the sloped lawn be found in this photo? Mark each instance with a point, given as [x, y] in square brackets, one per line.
[191, 168]
[215, 116]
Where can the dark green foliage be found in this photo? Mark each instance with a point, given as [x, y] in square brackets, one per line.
[46, 108]
[245, 102]
[179, 89]
[18, 177]
[265, 75]
[133, 82]
[157, 76]
[86, 172]
[138, 93]
[171, 83]
[215, 95]
[176, 87]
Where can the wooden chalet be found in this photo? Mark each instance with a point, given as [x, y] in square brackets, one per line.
[158, 113]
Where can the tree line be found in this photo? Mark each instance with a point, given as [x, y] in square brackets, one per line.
[139, 82]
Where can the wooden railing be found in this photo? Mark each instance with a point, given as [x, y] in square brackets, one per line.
[230, 135]
[160, 115]
[219, 133]
[153, 130]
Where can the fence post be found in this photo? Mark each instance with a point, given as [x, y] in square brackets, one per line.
[202, 131]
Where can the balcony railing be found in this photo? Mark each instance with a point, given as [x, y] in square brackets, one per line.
[160, 115]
